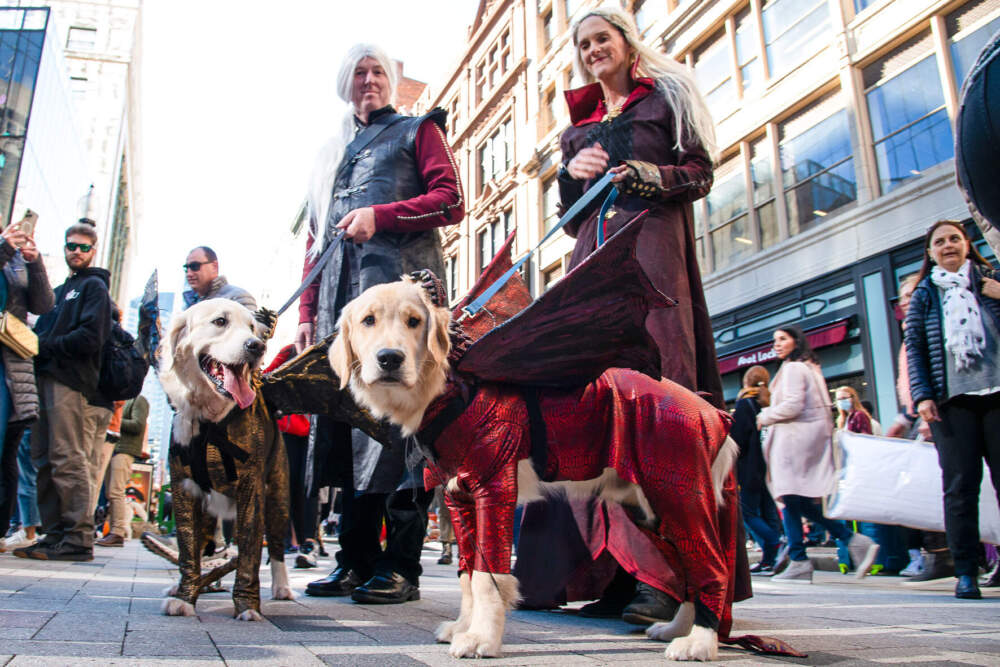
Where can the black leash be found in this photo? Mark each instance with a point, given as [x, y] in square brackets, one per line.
[318, 267]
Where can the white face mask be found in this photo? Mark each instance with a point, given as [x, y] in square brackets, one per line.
[844, 404]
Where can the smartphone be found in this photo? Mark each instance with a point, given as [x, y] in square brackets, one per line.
[27, 223]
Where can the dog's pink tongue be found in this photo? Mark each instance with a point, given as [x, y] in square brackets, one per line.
[237, 386]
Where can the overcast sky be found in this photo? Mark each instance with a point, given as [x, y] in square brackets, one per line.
[238, 96]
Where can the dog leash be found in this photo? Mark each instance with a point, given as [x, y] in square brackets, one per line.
[583, 202]
[320, 264]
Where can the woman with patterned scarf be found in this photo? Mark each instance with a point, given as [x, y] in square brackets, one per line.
[952, 339]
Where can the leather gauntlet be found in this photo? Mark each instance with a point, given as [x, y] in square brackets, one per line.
[642, 179]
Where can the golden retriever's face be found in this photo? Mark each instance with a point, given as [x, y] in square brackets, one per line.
[392, 349]
[211, 352]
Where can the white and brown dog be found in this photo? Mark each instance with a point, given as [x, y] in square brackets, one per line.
[392, 352]
[227, 457]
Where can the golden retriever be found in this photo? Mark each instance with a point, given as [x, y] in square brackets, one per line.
[392, 352]
[208, 364]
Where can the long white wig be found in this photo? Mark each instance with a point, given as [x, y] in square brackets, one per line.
[325, 168]
[693, 120]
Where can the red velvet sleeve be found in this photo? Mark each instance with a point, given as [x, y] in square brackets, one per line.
[694, 171]
[443, 204]
[307, 302]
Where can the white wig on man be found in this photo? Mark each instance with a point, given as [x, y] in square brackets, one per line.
[325, 168]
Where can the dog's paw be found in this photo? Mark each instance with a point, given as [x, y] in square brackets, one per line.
[679, 626]
[470, 645]
[249, 615]
[448, 629]
[282, 593]
[177, 607]
[702, 644]
[171, 591]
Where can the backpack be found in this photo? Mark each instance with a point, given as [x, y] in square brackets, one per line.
[123, 367]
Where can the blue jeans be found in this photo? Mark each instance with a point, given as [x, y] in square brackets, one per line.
[797, 507]
[27, 501]
[757, 506]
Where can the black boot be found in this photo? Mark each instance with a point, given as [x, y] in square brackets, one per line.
[649, 606]
[445, 558]
[615, 598]
[966, 588]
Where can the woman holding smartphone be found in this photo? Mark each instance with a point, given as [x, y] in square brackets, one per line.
[24, 288]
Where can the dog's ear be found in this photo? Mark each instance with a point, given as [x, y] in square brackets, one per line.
[438, 340]
[341, 352]
[178, 329]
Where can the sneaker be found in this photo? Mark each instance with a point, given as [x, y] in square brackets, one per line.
[18, 538]
[306, 558]
[797, 572]
[762, 570]
[916, 565]
[937, 565]
[863, 550]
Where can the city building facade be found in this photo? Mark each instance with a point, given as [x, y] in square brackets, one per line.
[834, 119]
[43, 163]
[102, 48]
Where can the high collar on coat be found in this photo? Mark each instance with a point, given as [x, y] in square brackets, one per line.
[586, 104]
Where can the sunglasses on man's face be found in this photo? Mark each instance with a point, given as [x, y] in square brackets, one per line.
[194, 266]
[83, 247]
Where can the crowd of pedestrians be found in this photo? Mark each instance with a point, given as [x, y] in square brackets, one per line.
[379, 190]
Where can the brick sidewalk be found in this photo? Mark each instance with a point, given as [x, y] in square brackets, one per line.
[108, 612]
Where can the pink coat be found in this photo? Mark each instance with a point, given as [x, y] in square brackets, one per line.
[797, 447]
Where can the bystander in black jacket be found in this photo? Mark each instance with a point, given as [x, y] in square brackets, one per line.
[72, 335]
[924, 336]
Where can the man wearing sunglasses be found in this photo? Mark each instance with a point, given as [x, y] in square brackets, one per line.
[73, 416]
[201, 269]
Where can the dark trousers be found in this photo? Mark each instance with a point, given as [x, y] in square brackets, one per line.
[760, 514]
[969, 431]
[405, 515]
[297, 446]
[797, 507]
[9, 473]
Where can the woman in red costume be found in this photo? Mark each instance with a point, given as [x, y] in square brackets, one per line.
[640, 115]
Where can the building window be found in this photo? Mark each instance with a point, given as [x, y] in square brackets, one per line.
[552, 275]
[762, 175]
[484, 245]
[968, 35]
[793, 31]
[713, 70]
[728, 221]
[78, 87]
[699, 241]
[508, 226]
[646, 12]
[548, 30]
[748, 52]
[480, 81]
[81, 39]
[451, 267]
[571, 7]
[861, 5]
[550, 202]
[453, 115]
[817, 166]
[548, 112]
[909, 122]
[496, 155]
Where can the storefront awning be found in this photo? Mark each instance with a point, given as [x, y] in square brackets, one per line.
[824, 336]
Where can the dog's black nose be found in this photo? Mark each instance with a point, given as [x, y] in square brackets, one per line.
[255, 346]
[389, 360]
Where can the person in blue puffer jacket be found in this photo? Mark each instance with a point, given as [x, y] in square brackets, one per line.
[952, 340]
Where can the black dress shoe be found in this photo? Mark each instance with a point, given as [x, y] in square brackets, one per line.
[649, 606]
[967, 588]
[386, 589]
[616, 596]
[339, 584]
